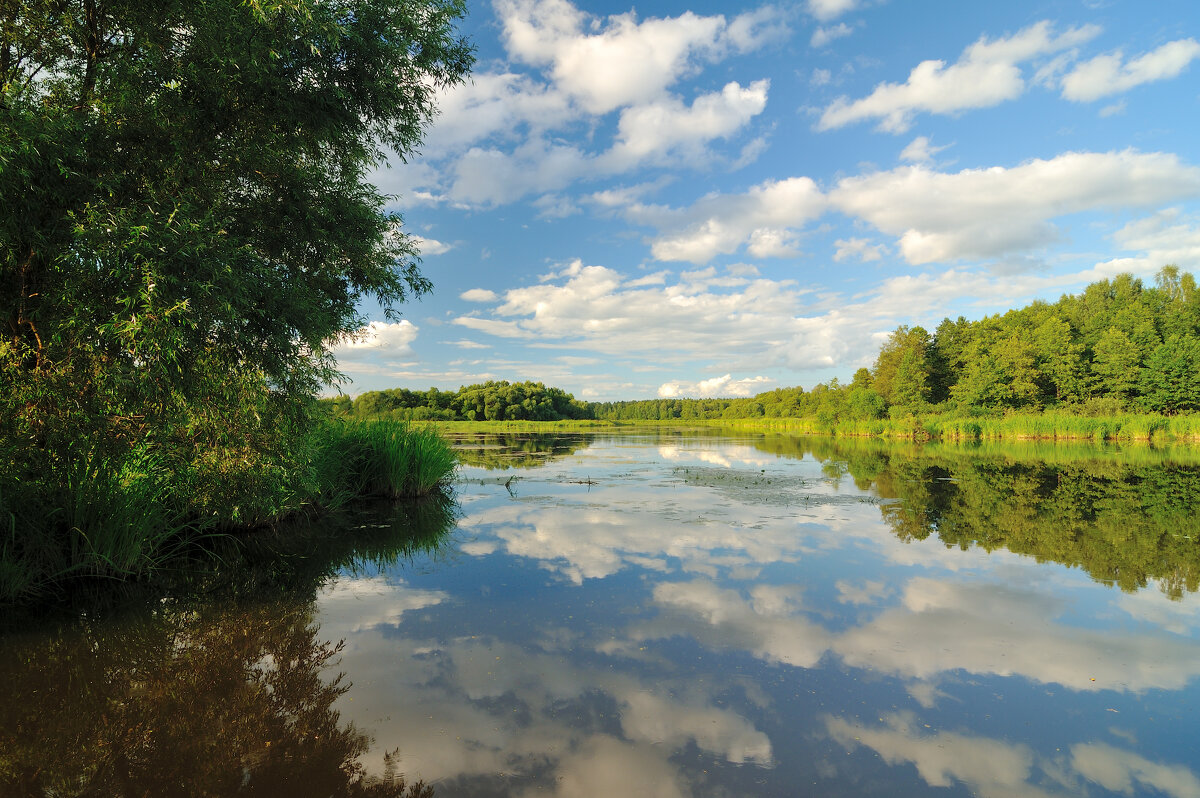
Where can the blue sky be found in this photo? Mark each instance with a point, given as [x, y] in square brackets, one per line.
[702, 199]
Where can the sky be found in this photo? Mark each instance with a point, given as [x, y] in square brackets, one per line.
[699, 199]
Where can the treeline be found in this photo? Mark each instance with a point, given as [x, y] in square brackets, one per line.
[489, 401]
[1119, 346]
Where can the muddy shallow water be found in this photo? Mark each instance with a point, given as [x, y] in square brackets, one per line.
[670, 614]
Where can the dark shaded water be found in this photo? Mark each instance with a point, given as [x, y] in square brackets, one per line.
[670, 615]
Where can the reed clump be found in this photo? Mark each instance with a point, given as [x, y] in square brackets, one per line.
[101, 512]
[391, 459]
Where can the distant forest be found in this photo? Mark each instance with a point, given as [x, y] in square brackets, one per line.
[1119, 346]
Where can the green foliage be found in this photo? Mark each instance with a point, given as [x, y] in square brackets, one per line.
[1171, 379]
[489, 401]
[188, 228]
[902, 369]
[387, 458]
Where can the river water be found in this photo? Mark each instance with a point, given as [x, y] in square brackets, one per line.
[667, 613]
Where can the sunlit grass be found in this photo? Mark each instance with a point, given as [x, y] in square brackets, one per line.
[124, 515]
[386, 458]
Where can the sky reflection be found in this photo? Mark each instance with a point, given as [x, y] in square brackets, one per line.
[665, 631]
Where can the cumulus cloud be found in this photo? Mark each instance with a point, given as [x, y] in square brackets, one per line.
[858, 249]
[491, 175]
[379, 337]
[920, 150]
[619, 61]
[1108, 74]
[761, 323]
[823, 36]
[763, 220]
[489, 104]
[681, 318]
[478, 295]
[430, 246]
[826, 10]
[989, 212]
[986, 74]
[667, 126]
[724, 385]
[1167, 236]
[500, 136]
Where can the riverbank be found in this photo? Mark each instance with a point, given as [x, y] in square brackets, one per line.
[1044, 426]
[96, 517]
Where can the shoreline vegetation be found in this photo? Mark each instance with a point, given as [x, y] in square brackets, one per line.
[190, 227]
[97, 516]
[1118, 362]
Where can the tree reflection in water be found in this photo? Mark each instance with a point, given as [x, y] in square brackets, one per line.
[1124, 517]
[202, 696]
[498, 451]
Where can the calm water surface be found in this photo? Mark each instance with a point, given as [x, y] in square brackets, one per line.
[672, 614]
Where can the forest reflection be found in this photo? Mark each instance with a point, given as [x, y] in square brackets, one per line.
[1125, 517]
[497, 451]
[224, 687]
[216, 700]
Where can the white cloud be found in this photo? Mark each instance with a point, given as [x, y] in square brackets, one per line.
[622, 61]
[555, 206]
[826, 10]
[986, 74]
[920, 150]
[493, 176]
[464, 343]
[379, 336]
[760, 322]
[722, 386]
[820, 77]
[823, 36]
[763, 220]
[478, 295]
[494, 104]
[858, 249]
[1168, 235]
[990, 212]
[1106, 74]
[429, 246]
[502, 135]
[667, 126]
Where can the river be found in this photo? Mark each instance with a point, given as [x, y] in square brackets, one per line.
[665, 613]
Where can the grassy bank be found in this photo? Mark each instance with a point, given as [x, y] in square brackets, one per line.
[1044, 426]
[95, 515]
[1052, 426]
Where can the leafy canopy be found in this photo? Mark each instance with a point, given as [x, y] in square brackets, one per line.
[185, 186]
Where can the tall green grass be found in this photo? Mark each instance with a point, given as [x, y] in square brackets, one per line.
[95, 514]
[384, 458]
[1048, 425]
[91, 513]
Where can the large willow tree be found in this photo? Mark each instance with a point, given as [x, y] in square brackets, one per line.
[187, 226]
[186, 223]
